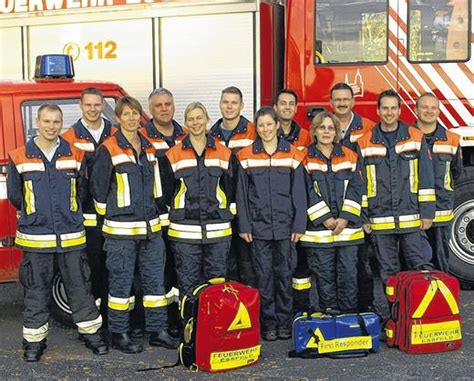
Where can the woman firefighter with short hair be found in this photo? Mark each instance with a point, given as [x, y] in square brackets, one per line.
[200, 219]
[126, 187]
[334, 226]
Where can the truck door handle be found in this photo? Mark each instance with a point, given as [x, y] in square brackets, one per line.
[313, 111]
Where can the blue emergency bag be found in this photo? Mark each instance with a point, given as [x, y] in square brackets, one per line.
[335, 336]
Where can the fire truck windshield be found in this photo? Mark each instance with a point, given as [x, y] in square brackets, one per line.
[351, 31]
[71, 113]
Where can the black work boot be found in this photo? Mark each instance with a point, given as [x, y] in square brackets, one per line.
[96, 343]
[33, 351]
[163, 339]
[122, 342]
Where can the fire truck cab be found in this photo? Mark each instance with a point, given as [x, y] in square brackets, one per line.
[19, 102]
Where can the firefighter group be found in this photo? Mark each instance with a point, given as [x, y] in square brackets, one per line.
[266, 203]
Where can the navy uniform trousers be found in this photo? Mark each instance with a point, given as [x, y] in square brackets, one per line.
[274, 263]
[196, 263]
[122, 254]
[36, 276]
[335, 269]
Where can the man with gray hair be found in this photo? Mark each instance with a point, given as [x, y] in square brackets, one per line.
[164, 132]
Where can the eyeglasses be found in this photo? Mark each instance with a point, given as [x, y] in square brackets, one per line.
[342, 100]
[322, 127]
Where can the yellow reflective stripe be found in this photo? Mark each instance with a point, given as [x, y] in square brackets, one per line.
[318, 210]
[425, 302]
[426, 195]
[155, 225]
[409, 224]
[195, 231]
[389, 333]
[326, 236]
[316, 188]
[447, 177]
[118, 304]
[125, 228]
[35, 335]
[90, 219]
[100, 207]
[157, 188]
[154, 301]
[74, 207]
[131, 303]
[371, 180]
[221, 197]
[164, 219]
[40, 241]
[123, 190]
[386, 223]
[414, 175]
[448, 296]
[29, 197]
[352, 207]
[185, 235]
[233, 208]
[301, 283]
[365, 203]
[73, 242]
[90, 327]
[389, 290]
[443, 216]
[172, 296]
[180, 196]
[219, 233]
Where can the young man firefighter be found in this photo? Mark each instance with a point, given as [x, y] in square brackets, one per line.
[86, 135]
[285, 105]
[164, 133]
[46, 184]
[235, 132]
[447, 166]
[399, 198]
[353, 126]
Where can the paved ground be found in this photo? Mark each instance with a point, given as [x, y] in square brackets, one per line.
[66, 357]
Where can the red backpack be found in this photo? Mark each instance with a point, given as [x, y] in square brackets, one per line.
[425, 313]
[221, 323]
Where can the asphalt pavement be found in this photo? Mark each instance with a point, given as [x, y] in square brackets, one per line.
[67, 358]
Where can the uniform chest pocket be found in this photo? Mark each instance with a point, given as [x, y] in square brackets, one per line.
[342, 181]
[445, 165]
[71, 177]
[30, 189]
[216, 176]
[123, 189]
[413, 175]
[318, 179]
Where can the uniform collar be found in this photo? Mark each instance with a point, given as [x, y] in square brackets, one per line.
[378, 137]
[294, 132]
[282, 146]
[82, 132]
[186, 142]
[313, 151]
[216, 129]
[154, 133]
[124, 143]
[356, 122]
[439, 132]
[32, 150]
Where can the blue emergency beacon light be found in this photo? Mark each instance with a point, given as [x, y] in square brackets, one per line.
[54, 66]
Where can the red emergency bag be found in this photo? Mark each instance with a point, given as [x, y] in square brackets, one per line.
[221, 327]
[425, 313]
